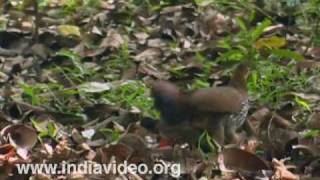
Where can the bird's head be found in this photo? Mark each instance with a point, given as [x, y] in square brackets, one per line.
[240, 76]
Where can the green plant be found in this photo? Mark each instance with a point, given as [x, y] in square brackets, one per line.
[240, 46]
[312, 133]
[114, 134]
[132, 94]
[31, 92]
[270, 83]
[3, 23]
[92, 3]
[45, 128]
[71, 6]
[173, 2]
[76, 73]
[118, 63]
[207, 145]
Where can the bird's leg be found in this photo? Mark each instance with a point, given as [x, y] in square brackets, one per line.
[248, 127]
[217, 131]
[231, 137]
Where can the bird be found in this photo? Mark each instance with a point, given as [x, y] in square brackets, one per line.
[220, 111]
[175, 113]
[171, 101]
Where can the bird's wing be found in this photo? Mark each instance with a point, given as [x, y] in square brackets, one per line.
[218, 100]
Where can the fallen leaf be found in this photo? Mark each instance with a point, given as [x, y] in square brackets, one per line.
[282, 173]
[94, 87]
[20, 136]
[69, 30]
[113, 40]
[271, 42]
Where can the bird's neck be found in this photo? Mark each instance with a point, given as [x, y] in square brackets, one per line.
[239, 82]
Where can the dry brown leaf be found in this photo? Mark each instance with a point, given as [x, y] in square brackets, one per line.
[282, 173]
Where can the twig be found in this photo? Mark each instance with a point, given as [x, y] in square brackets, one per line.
[36, 21]
[312, 36]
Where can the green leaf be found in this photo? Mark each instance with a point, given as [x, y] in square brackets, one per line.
[302, 103]
[45, 128]
[232, 55]
[32, 92]
[115, 135]
[312, 133]
[75, 59]
[273, 42]
[285, 53]
[3, 23]
[241, 24]
[94, 87]
[52, 129]
[210, 140]
[203, 2]
[27, 3]
[256, 33]
[69, 30]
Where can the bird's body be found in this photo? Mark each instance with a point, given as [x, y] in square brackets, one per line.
[218, 110]
[218, 99]
[171, 102]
